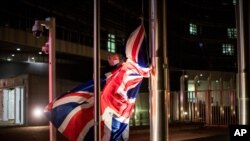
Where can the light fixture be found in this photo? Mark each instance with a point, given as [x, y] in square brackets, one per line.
[37, 112]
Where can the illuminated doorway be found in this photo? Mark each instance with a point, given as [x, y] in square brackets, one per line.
[12, 106]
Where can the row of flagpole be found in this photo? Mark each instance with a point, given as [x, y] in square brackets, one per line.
[159, 83]
[159, 86]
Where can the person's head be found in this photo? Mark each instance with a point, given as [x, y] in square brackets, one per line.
[114, 59]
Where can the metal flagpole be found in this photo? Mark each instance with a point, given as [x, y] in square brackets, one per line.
[159, 81]
[96, 69]
[50, 48]
[52, 69]
[242, 14]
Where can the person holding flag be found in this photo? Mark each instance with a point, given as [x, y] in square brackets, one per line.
[115, 60]
[72, 113]
[119, 94]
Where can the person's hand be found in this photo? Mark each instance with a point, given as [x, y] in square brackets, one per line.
[152, 70]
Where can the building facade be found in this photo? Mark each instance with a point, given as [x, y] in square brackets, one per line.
[202, 41]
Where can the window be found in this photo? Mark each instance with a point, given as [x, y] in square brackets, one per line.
[231, 33]
[192, 29]
[111, 43]
[227, 49]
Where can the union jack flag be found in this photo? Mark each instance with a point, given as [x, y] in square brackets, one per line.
[73, 113]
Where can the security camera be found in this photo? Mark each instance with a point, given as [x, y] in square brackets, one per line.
[37, 29]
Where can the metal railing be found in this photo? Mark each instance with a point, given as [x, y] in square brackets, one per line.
[213, 107]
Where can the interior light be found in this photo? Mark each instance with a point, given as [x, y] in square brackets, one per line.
[37, 112]
[186, 76]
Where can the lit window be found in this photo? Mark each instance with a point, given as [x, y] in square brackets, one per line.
[192, 29]
[227, 49]
[111, 43]
[231, 33]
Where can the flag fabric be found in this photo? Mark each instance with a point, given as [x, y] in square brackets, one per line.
[118, 99]
[136, 48]
[73, 113]
[119, 95]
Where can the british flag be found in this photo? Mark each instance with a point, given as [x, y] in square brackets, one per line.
[73, 113]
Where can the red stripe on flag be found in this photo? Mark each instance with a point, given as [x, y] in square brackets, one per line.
[136, 43]
[78, 122]
[81, 94]
[132, 82]
[109, 95]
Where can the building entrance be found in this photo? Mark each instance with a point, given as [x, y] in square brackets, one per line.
[12, 106]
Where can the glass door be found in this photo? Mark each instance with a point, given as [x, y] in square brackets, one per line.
[12, 109]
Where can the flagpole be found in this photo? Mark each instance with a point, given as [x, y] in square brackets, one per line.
[97, 125]
[159, 92]
[50, 48]
[52, 69]
[242, 21]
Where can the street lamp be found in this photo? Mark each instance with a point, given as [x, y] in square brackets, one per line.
[37, 29]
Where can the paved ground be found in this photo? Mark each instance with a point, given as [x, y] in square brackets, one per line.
[41, 133]
[186, 133]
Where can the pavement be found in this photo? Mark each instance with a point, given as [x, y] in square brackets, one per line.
[186, 133]
[175, 133]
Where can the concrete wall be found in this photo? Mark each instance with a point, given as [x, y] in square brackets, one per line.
[38, 95]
